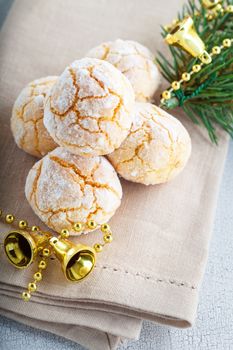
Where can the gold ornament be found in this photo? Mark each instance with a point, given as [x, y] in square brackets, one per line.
[26, 296]
[166, 95]
[78, 227]
[216, 50]
[21, 247]
[196, 68]
[91, 224]
[22, 224]
[77, 260]
[186, 76]
[210, 4]
[226, 43]
[98, 247]
[176, 85]
[9, 218]
[185, 36]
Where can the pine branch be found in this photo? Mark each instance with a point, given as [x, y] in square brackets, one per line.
[207, 98]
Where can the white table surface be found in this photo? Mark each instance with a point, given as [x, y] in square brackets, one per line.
[214, 325]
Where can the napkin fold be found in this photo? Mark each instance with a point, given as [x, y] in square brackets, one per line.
[154, 267]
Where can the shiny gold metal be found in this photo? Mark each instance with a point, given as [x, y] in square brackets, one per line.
[37, 276]
[108, 238]
[196, 68]
[211, 4]
[98, 247]
[91, 224]
[21, 247]
[186, 76]
[65, 233]
[32, 287]
[42, 265]
[105, 228]
[226, 43]
[26, 296]
[78, 226]
[176, 85]
[166, 95]
[9, 218]
[216, 50]
[77, 260]
[23, 224]
[184, 35]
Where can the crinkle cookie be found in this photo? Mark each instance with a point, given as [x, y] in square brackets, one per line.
[156, 149]
[135, 61]
[63, 188]
[89, 109]
[27, 118]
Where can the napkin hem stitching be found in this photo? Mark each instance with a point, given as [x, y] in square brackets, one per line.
[148, 277]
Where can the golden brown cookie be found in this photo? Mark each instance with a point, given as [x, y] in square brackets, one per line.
[63, 188]
[135, 61]
[89, 108]
[156, 149]
[27, 118]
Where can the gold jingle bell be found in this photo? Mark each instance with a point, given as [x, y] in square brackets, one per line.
[22, 247]
[211, 4]
[77, 260]
[184, 35]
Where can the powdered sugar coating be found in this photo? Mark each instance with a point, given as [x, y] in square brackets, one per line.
[89, 108]
[135, 61]
[156, 149]
[63, 188]
[27, 118]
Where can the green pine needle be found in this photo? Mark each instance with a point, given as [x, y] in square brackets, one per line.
[208, 97]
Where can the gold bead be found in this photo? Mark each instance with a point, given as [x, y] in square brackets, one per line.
[26, 296]
[35, 228]
[65, 233]
[98, 247]
[9, 218]
[23, 224]
[216, 50]
[42, 265]
[105, 228]
[209, 17]
[186, 76]
[37, 276]
[196, 68]
[226, 43]
[32, 287]
[91, 224]
[46, 252]
[229, 8]
[78, 226]
[166, 95]
[108, 238]
[176, 85]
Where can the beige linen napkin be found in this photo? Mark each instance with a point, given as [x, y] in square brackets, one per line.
[154, 267]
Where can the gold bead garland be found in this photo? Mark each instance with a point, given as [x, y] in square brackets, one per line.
[46, 252]
[213, 10]
[186, 76]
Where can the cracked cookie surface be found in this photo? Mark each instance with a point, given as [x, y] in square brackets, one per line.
[135, 61]
[89, 108]
[27, 124]
[156, 149]
[63, 188]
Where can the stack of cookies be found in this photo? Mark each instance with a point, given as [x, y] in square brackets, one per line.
[93, 121]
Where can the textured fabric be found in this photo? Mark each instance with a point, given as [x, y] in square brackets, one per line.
[154, 267]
